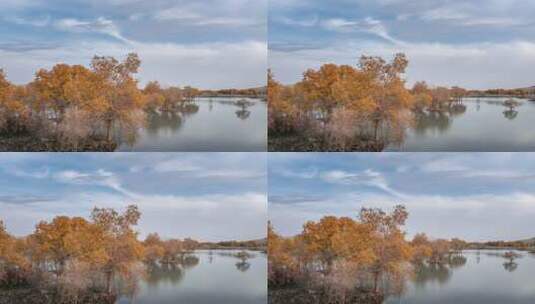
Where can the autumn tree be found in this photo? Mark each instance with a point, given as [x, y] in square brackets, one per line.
[440, 98]
[286, 106]
[387, 91]
[66, 86]
[14, 114]
[391, 251]
[421, 247]
[332, 239]
[171, 249]
[122, 100]
[154, 96]
[14, 265]
[190, 244]
[334, 86]
[283, 261]
[122, 248]
[458, 244]
[422, 98]
[154, 249]
[65, 240]
[439, 250]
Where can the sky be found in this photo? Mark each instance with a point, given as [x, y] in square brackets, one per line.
[206, 196]
[209, 44]
[474, 196]
[476, 44]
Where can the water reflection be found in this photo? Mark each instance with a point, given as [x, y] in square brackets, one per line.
[158, 273]
[243, 266]
[429, 273]
[206, 124]
[484, 124]
[510, 266]
[482, 277]
[510, 114]
[432, 121]
[201, 277]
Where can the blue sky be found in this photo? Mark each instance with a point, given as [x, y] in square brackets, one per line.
[207, 44]
[207, 196]
[474, 44]
[476, 196]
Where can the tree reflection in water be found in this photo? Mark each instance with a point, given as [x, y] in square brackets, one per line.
[432, 121]
[243, 266]
[170, 272]
[510, 114]
[428, 273]
[170, 120]
[243, 113]
[438, 272]
[510, 266]
[157, 273]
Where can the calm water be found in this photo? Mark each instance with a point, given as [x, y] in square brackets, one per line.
[484, 124]
[215, 277]
[210, 124]
[486, 277]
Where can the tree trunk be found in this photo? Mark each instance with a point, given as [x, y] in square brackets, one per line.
[109, 277]
[108, 130]
[375, 281]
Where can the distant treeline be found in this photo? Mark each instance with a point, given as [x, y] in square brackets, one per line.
[252, 245]
[520, 245]
[521, 93]
[253, 92]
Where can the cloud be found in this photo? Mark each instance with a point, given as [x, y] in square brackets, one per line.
[99, 177]
[367, 25]
[39, 174]
[100, 25]
[20, 199]
[309, 22]
[37, 22]
[193, 169]
[192, 18]
[368, 178]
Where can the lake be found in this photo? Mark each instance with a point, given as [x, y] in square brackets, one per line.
[483, 124]
[210, 277]
[485, 278]
[208, 124]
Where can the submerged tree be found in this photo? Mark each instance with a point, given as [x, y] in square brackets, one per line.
[122, 248]
[390, 248]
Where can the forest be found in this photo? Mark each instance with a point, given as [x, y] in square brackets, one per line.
[346, 260]
[346, 108]
[78, 260]
[75, 108]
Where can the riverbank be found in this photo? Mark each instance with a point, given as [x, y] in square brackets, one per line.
[308, 143]
[311, 296]
[41, 296]
[29, 143]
